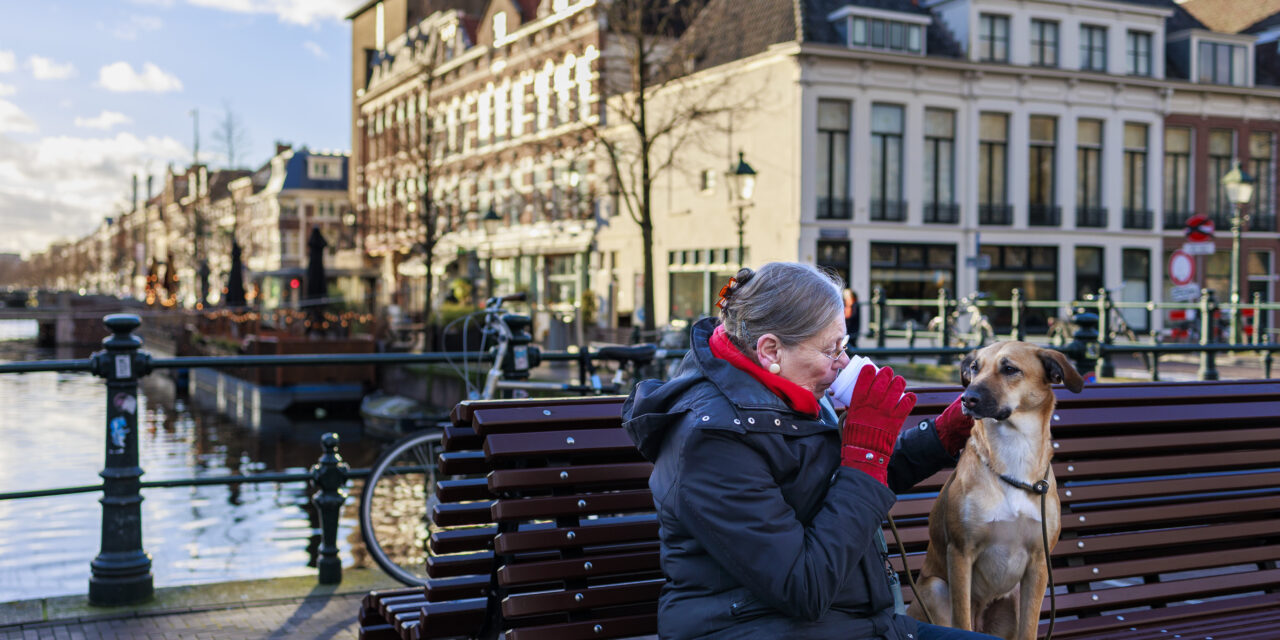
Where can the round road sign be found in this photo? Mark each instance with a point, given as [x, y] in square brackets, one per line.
[1182, 269]
[1199, 228]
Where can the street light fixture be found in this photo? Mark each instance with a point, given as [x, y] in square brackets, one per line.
[491, 222]
[743, 181]
[1238, 186]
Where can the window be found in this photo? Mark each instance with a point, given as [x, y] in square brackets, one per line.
[1042, 135]
[1033, 270]
[1221, 151]
[939, 167]
[1260, 165]
[1089, 211]
[1136, 215]
[886, 34]
[1220, 63]
[1177, 176]
[1089, 271]
[708, 181]
[1136, 287]
[993, 38]
[1139, 53]
[1044, 43]
[834, 255]
[886, 162]
[1093, 48]
[499, 26]
[993, 143]
[914, 271]
[833, 159]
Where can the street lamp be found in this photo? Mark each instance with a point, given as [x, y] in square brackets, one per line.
[491, 221]
[1238, 187]
[743, 181]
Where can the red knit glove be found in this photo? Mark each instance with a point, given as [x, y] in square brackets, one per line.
[953, 427]
[877, 409]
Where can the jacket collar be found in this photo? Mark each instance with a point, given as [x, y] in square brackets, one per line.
[796, 396]
[740, 387]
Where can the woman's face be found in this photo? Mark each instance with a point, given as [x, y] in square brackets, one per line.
[815, 363]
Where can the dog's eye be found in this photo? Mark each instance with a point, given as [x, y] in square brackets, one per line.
[1008, 370]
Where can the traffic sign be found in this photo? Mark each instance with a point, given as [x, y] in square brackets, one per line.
[1199, 228]
[982, 262]
[1184, 293]
[1182, 268]
[1199, 248]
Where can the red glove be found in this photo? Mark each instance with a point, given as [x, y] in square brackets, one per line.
[953, 427]
[877, 409]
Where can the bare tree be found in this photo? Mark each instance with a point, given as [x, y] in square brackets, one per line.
[230, 136]
[429, 212]
[656, 108]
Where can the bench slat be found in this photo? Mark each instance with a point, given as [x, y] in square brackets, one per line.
[496, 420]
[584, 567]
[460, 540]
[586, 442]
[589, 533]
[620, 627]
[459, 564]
[1172, 591]
[464, 412]
[518, 606]
[582, 504]
[1089, 626]
[465, 489]
[447, 514]
[453, 618]
[1149, 488]
[580, 475]
[1164, 442]
[460, 439]
[463, 463]
[457, 587]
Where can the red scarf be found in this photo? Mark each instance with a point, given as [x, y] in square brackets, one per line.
[796, 396]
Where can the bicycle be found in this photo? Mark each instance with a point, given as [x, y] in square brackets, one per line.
[979, 326]
[400, 492]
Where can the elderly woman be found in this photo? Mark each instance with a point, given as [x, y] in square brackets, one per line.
[770, 509]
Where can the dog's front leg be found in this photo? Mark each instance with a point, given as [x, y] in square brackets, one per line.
[960, 581]
[1031, 597]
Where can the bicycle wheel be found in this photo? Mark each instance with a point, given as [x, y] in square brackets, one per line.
[395, 506]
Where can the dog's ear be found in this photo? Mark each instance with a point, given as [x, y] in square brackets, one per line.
[965, 364]
[1057, 369]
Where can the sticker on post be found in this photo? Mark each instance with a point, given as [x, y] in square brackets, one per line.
[124, 368]
[118, 433]
[125, 403]
[521, 357]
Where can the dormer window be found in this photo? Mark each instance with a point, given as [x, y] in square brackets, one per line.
[1220, 63]
[499, 26]
[880, 29]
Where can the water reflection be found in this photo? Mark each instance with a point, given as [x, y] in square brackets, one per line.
[54, 429]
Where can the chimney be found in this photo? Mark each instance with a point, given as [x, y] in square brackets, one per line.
[135, 192]
[149, 179]
[282, 147]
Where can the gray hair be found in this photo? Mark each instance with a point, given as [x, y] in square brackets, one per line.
[793, 301]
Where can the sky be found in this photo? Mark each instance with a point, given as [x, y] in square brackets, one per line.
[94, 91]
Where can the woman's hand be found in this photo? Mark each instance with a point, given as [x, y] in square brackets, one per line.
[877, 409]
[953, 427]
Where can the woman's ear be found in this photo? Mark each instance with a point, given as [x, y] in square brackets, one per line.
[768, 350]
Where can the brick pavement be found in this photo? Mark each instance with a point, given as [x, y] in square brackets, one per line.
[313, 618]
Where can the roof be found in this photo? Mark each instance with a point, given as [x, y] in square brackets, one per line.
[295, 172]
[1232, 16]
[1266, 24]
[728, 30]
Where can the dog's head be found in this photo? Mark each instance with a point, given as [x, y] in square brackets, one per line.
[1009, 377]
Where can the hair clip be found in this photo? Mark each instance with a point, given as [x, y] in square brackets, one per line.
[725, 291]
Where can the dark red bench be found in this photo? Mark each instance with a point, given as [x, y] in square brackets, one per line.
[1171, 519]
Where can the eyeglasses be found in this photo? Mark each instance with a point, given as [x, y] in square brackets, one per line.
[834, 355]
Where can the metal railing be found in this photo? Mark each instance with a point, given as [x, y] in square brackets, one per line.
[121, 572]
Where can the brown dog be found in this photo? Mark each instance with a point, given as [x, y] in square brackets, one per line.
[985, 567]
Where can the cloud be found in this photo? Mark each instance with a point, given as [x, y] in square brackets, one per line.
[136, 25]
[302, 12]
[8, 62]
[154, 3]
[104, 120]
[120, 76]
[315, 50]
[13, 120]
[48, 69]
[61, 187]
[7, 89]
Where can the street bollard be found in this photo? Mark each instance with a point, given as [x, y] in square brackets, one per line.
[330, 478]
[944, 328]
[1266, 358]
[121, 572]
[1084, 345]
[1208, 361]
[1019, 310]
[911, 339]
[877, 315]
[1106, 368]
[1155, 359]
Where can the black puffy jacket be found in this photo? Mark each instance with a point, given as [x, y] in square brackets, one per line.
[764, 534]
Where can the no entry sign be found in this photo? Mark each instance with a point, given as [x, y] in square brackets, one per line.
[1182, 268]
[1199, 234]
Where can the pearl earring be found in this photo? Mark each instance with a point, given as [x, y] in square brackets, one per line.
[775, 368]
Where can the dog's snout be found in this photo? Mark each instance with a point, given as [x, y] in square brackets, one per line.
[970, 399]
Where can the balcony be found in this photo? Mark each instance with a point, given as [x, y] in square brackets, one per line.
[1137, 219]
[1044, 215]
[1091, 217]
[995, 214]
[835, 209]
[1222, 220]
[1176, 220]
[942, 212]
[891, 210]
[1262, 223]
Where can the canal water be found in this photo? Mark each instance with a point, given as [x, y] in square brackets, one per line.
[53, 429]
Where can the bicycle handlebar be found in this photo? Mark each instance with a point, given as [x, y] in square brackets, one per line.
[496, 302]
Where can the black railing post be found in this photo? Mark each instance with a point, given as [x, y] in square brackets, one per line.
[1256, 334]
[877, 315]
[1155, 358]
[1266, 358]
[121, 572]
[944, 325]
[1084, 346]
[1106, 368]
[911, 339]
[1019, 309]
[1208, 308]
[330, 478]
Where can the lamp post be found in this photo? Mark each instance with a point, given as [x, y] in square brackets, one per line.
[743, 181]
[491, 220]
[1238, 186]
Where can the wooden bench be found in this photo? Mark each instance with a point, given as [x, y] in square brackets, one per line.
[1170, 495]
